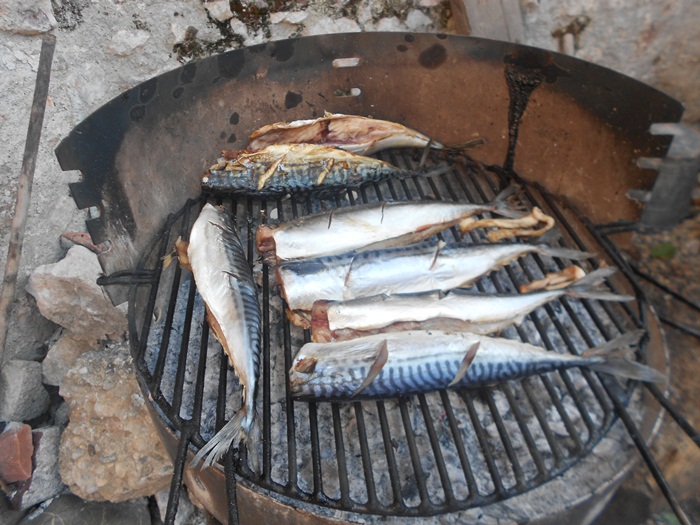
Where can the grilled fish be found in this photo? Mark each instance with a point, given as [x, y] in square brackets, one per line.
[225, 282]
[455, 310]
[369, 226]
[279, 169]
[355, 134]
[403, 363]
[410, 269]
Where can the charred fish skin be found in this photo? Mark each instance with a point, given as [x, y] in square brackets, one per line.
[369, 226]
[405, 363]
[225, 282]
[294, 168]
[353, 133]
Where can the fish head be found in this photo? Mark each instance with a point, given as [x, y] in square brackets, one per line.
[305, 365]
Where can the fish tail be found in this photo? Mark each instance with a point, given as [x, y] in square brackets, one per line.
[503, 204]
[591, 287]
[231, 434]
[613, 359]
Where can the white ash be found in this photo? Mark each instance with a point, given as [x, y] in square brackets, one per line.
[524, 394]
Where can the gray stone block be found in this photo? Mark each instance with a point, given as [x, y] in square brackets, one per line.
[22, 395]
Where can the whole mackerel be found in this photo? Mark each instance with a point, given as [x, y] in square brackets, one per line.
[370, 226]
[454, 310]
[361, 135]
[405, 270]
[403, 363]
[225, 282]
[279, 169]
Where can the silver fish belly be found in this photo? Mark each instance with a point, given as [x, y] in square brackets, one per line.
[404, 363]
[454, 310]
[370, 226]
[225, 282]
[398, 270]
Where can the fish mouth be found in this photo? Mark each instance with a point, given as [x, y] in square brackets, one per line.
[295, 383]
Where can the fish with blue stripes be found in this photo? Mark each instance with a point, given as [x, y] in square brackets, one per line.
[412, 269]
[224, 279]
[403, 363]
[280, 169]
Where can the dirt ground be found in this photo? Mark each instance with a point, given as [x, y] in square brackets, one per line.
[672, 258]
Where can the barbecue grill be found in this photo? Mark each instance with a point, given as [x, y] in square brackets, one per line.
[577, 129]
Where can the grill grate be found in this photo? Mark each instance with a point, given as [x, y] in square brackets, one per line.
[416, 456]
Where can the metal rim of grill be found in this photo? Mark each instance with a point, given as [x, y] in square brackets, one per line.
[512, 470]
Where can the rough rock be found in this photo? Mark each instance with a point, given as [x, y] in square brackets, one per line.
[27, 17]
[125, 43]
[21, 342]
[415, 20]
[22, 396]
[185, 509]
[16, 450]
[291, 17]
[219, 10]
[62, 356]
[110, 449]
[69, 508]
[327, 25]
[67, 293]
[46, 480]
[390, 24]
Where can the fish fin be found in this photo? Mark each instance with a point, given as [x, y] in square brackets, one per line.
[502, 203]
[468, 358]
[426, 151]
[168, 259]
[216, 328]
[564, 253]
[239, 277]
[439, 246]
[269, 172]
[624, 341]
[591, 287]
[376, 367]
[327, 166]
[180, 252]
[231, 434]
[614, 359]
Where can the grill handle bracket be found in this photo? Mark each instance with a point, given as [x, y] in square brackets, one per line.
[669, 202]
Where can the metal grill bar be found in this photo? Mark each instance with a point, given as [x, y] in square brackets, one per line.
[613, 393]
[497, 453]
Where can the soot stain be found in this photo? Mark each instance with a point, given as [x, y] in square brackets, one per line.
[178, 91]
[235, 118]
[292, 99]
[409, 38]
[230, 64]
[283, 50]
[147, 90]
[402, 48]
[188, 73]
[222, 135]
[433, 57]
[137, 113]
[231, 138]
